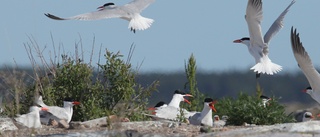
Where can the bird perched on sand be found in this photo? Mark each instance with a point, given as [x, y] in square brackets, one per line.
[31, 119]
[205, 116]
[57, 113]
[130, 12]
[219, 122]
[303, 116]
[171, 111]
[258, 45]
[305, 64]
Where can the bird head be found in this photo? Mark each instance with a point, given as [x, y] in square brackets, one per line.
[210, 103]
[179, 94]
[70, 101]
[307, 116]
[244, 40]
[105, 6]
[308, 90]
[216, 118]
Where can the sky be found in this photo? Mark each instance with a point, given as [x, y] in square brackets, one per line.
[204, 28]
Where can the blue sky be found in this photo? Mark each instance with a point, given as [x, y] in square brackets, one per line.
[205, 28]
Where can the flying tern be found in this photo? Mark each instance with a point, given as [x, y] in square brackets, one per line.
[31, 119]
[205, 116]
[130, 12]
[258, 46]
[305, 64]
[57, 113]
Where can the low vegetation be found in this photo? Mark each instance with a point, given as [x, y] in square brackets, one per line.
[108, 89]
[249, 109]
[111, 88]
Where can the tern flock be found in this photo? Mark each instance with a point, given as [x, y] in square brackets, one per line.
[257, 45]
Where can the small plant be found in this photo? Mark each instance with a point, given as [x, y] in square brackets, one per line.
[249, 109]
[181, 116]
[198, 97]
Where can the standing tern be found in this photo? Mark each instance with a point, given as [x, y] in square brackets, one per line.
[57, 113]
[130, 12]
[205, 116]
[31, 119]
[258, 46]
[173, 108]
[305, 64]
[265, 100]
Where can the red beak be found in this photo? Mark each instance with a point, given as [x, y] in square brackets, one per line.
[44, 109]
[76, 103]
[185, 100]
[304, 90]
[211, 105]
[237, 41]
[187, 95]
[152, 108]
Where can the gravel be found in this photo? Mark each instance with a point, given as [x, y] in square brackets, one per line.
[98, 127]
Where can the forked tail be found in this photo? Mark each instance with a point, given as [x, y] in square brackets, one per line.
[140, 23]
[265, 66]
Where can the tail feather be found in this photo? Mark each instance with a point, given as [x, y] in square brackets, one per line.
[40, 102]
[265, 66]
[140, 23]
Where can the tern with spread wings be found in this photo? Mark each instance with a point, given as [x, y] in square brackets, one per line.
[130, 12]
[258, 45]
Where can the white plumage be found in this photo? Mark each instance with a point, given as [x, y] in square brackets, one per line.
[205, 116]
[130, 12]
[57, 113]
[31, 119]
[257, 44]
[306, 66]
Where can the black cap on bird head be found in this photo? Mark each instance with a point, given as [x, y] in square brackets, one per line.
[108, 4]
[208, 100]
[245, 38]
[264, 97]
[179, 92]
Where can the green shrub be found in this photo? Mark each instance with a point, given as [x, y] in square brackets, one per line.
[249, 109]
[110, 89]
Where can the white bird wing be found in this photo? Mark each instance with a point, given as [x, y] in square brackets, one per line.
[31, 120]
[254, 18]
[168, 112]
[59, 112]
[304, 61]
[194, 120]
[40, 102]
[277, 24]
[138, 5]
[114, 12]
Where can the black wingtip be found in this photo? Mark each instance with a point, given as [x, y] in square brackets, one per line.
[53, 16]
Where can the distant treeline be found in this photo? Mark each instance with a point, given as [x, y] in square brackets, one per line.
[286, 86]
